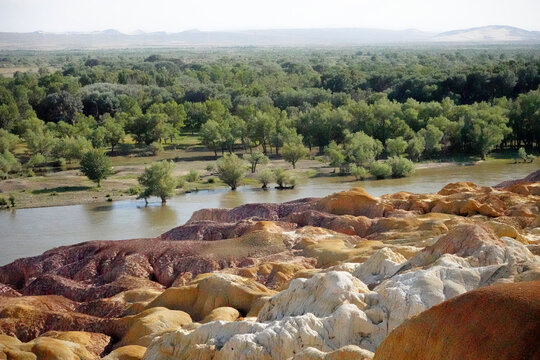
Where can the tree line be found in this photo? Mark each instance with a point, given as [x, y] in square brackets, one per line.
[352, 106]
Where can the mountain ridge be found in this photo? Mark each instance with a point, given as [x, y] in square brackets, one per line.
[111, 38]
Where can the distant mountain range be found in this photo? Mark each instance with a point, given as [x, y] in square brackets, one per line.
[493, 33]
[286, 37]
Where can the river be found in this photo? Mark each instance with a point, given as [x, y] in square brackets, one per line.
[28, 232]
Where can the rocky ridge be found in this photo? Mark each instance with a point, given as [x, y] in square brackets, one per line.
[330, 278]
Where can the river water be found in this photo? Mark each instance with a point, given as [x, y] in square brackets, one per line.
[28, 232]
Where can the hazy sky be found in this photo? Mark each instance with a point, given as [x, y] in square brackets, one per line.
[178, 15]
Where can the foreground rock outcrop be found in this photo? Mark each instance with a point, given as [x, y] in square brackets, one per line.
[495, 322]
[349, 276]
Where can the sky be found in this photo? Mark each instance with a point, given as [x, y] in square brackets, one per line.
[177, 15]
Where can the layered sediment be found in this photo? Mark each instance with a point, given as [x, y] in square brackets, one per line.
[348, 276]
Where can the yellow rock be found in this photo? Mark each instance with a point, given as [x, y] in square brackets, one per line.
[222, 314]
[129, 352]
[43, 348]
[212, 291]
[144, 326]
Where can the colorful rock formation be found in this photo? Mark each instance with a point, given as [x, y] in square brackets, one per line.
[330, 278]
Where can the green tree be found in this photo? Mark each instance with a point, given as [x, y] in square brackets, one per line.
[114, 132]
[361, 149]
[230, 170]
[484, 128]
[294, 150]
[416, 147]
[8, 141]
[38, 138]
[256, 158]
[98, 137]
[96, 165]
[265, 177]
[8, 163]
[210, 135]
[525, 119]
[158, 181]
[148, 128]
[396, 147]
[71, 148]
[175, 116]
[432, 138]
[60, 106]
[336, 157]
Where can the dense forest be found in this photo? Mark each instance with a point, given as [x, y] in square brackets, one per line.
[352, 105]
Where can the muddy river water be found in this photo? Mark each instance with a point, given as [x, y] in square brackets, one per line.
[28, 232]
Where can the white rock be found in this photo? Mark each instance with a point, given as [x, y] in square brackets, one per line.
[280, 339]
[381, 265]
[320, 295]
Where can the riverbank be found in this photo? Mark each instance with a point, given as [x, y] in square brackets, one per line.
[72, 188]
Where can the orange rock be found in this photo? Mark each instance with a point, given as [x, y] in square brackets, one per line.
[499, 322]
[457, 188]
[353, 202]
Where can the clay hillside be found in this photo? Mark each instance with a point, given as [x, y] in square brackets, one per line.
[451, 275]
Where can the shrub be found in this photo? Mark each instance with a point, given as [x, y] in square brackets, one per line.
[210, 168]
[62, 164]
[231, 170]
[125, 148]
[211, 180]
[265, 177]
[134, 190]
[8, 163]
[8, 141]
[4, 204]
[284, 179]
[180, 182]
[155, 148]
[401, 167]
[380, 170]
[358, 172]
[36, 160]
[522, 154]
[193, 176]
[530, 158]
[12, 200]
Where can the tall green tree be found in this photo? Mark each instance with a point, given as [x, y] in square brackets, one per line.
[158, 181]
[230, 170]
[294, 150]
[361, 149]
[96, 165]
